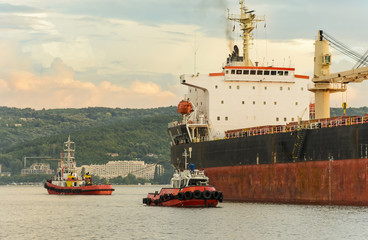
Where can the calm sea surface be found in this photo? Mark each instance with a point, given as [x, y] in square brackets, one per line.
[28, 212]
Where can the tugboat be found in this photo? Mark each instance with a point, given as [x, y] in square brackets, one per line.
[190, 188]
[68, 182]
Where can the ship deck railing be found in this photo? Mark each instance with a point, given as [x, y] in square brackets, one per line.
[295, 126]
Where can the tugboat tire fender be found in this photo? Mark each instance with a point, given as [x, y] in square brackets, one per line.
[206, 194]
[221, 197]
[197, 194]
[180, 195]
[215, 195]
[188, 195]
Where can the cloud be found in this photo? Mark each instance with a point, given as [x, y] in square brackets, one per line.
[120, 54]
[56, 87]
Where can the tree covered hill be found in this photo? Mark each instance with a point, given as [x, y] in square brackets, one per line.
[131, 133]
[349, 111]
[21, 125]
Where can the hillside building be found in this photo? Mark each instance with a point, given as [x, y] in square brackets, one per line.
[38, 168]
[114, 169]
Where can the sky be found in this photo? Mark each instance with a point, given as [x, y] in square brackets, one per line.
[130, 54]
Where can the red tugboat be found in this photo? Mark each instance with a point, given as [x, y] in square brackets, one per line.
[190, 188]
[68, 182]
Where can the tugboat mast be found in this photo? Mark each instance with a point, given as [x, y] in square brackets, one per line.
[247, 20]
[68, 160]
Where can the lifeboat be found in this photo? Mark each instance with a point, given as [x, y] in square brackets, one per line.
[184, 107]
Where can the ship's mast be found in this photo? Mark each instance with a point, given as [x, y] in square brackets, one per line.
[68, 160]
[247, 20]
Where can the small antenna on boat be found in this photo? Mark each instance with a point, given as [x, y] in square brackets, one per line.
[185, 155]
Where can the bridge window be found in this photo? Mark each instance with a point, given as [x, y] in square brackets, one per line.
[238, 71]
[286, 73]
[280, 73]
[246, 72]
[227, 71]
[252, 72]
[226, 118]
[233, 71]
[259, 72]
[266, 72]
[277, 119]
[273, 73]
[218, 118]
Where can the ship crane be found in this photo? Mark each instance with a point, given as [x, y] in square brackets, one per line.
[324, 82]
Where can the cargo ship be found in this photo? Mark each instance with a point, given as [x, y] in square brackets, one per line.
[257, 135]
[189, 188]
[69, 182]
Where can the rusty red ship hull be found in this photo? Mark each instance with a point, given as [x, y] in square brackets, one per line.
[82, 190]
[327, 165]
[320, 182]
[198, 196]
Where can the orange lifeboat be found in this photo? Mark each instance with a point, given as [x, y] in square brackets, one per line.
[184, 107]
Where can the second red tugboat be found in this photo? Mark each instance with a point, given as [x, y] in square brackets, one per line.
[190, 188]
[68, 182]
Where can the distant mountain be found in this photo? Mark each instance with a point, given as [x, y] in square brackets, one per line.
[97, 132]
[21, 125]
[349, 111]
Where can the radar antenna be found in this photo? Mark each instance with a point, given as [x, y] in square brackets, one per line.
[247, 20]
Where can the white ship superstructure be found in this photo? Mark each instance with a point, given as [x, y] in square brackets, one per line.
[248, 97]
[243, 95]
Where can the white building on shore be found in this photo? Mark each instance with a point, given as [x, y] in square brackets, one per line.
[38, 168]
[114, 169]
